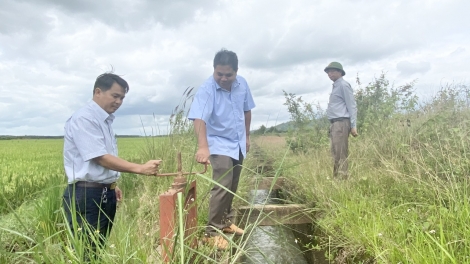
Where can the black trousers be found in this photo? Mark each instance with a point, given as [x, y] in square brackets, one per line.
[92, 210]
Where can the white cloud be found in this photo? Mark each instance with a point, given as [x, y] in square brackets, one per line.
[407, 68]
[51, 51]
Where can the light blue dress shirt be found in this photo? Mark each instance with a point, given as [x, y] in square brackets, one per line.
[88, 134]
[342, 102]
[224, 114]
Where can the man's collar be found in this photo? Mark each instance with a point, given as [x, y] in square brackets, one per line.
[235, 84]
[340, 78]
[102, 115]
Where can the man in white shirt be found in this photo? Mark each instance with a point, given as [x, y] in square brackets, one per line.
[91, 161]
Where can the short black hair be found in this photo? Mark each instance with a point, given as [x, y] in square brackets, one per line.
[106, 80]
[226, 57]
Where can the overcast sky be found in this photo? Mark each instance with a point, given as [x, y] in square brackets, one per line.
[51, 52]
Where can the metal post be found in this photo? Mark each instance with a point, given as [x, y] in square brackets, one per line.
[168, 201]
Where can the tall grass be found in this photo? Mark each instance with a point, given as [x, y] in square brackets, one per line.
[407, 199]
[35, 230]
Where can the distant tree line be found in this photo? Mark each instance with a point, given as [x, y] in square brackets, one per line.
[8, 137]
[264, 130]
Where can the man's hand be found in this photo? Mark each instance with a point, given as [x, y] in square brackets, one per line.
[118, 194]
[247, 144]
[354, 132]
[151, 167]
[202, 155]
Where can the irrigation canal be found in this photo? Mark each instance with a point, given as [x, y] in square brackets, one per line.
[271, 244]
[281, 231]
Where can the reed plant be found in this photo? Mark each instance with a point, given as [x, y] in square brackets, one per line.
[34, 229]
[406, 200]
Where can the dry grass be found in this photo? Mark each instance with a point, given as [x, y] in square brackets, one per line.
[268, 142]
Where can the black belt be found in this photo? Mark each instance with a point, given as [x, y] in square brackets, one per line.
[338, 119]
[110, 186]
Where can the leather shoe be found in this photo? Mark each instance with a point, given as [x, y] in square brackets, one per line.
[233, 229]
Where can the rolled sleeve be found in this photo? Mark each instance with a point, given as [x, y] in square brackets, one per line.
[249, 102]
[223, 112]
[202, 106]
[88, 138]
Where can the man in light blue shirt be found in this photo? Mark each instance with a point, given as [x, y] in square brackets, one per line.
[221, 111]
[342, 113]
[91, 161]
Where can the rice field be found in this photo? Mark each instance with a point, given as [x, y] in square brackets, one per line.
[27, 166]
[406, 201]
[32, 180]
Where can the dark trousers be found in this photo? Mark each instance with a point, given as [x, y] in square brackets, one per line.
[339, 134]
[226, 172]
[93, 209]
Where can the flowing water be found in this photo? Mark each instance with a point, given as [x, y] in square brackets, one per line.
[271, 244]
